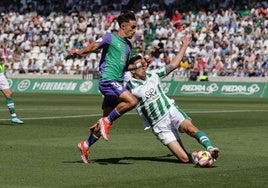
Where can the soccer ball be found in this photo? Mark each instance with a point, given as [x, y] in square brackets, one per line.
[203, 159]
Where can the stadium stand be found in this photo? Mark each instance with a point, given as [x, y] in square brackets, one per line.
[229, 37]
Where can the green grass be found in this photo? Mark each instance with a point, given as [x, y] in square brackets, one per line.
[43, 152]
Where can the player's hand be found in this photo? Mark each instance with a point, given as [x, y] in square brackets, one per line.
[186, 40]
[95, 128]
[72, 54]
[146, 61]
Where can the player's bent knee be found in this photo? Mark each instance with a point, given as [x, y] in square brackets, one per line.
[133, 102]
[184, 159]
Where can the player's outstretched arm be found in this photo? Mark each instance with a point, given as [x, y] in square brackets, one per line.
[176, 61]
[79, 53]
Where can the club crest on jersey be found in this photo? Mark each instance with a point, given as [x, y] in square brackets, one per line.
[150, 93]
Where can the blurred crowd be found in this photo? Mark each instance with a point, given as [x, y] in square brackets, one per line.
[230, 38]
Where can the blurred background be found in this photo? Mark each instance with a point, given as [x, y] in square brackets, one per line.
[230, 37]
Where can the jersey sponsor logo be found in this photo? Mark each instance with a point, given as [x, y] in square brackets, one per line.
[151, 94]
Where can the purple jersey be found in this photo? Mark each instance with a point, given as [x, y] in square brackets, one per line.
[115, 54]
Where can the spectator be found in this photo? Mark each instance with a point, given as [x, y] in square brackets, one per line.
[26, 46]
[77, 70]
[16, 61]
[176, 20]
[183, 68]
[82, 25]
[63, 69]
[237, 26]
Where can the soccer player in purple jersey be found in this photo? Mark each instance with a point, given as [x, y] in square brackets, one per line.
[116, 49]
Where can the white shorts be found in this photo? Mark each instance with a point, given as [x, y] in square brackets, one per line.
[166, 130]
[3, 82]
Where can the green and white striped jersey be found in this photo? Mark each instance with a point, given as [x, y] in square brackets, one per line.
[153, 103]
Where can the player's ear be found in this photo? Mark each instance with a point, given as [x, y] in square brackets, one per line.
[133, 71]
[123, 25]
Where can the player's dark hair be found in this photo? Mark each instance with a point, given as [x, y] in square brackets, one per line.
[134, 59]
[126, 16]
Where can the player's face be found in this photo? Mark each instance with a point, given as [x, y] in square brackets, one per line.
[129, 28]
[140, 73]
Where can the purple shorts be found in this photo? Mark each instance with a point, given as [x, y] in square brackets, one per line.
[111, 91]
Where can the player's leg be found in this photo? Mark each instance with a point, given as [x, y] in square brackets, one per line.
[108, 105]
[109, 112]
[11, 106]
[188, 127]
[184, 124]
[115, 93]
[95, 134]
[176, 148]
[125, 102]
[93, 137]
[167, 133]
[169, 137]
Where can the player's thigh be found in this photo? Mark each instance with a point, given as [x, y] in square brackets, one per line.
[166, 134]
[169, 137]
[177, 116]
[7, 93]
[188, 127]
[4, 85]
[127, 96]
[111, 88]
[108, 104]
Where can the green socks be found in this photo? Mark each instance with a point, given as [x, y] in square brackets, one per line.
[203, 139]
[11, 106]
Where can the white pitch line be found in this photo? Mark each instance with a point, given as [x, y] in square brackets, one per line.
[224, 111]
[133, 113]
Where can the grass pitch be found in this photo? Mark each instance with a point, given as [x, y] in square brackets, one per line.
[43, 152]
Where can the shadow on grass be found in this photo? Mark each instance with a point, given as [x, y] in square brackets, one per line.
[127, 160]
[10, 124]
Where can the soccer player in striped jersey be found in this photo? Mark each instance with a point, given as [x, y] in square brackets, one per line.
[160, 112]
[5, 88]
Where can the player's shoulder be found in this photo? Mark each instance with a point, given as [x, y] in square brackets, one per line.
[106, 37]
